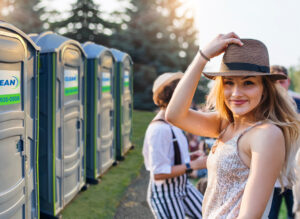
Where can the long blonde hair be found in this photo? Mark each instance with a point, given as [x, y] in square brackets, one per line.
[275, 106]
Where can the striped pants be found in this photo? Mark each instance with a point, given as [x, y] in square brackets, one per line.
[175, 198]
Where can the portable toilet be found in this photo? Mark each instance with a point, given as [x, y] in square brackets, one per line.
[100, 107]
[62, 116]
[19, 96]
[124, 102]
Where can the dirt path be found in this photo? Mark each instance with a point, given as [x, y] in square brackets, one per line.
[134, 204]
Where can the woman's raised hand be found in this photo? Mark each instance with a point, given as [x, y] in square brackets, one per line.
[220, 43]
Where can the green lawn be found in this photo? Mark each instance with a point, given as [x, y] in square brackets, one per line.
[101, 201]
[282, 213]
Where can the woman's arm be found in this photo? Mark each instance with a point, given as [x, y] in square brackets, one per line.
[267, 158]
[178, 112]
[177, 170]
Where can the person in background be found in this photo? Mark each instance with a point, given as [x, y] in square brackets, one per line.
[285, 83]
[193, 141]
[287, 194]
[166, 156]
[296, 189]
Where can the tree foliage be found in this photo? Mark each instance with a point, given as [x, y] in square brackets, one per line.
[156, 35]
[24, 14]
[85, 23]
[294, 74]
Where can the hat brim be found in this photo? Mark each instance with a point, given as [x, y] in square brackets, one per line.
[174, 77]
[273, 76]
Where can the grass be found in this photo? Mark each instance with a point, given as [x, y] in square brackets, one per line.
[283, 211]
[102, 200]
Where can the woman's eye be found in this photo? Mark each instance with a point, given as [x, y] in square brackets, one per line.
[248, 83]
[228, 83]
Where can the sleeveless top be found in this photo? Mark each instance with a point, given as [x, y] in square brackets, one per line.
[227, 178]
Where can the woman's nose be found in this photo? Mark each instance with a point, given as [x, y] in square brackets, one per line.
[236, 91]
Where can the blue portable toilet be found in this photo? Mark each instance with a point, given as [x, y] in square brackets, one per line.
[123, 102]
[101, 110]
[62, 121]
[19, 97]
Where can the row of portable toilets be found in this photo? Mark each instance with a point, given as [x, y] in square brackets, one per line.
[65, 118]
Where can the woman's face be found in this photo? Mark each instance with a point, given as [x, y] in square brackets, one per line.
[242, 94]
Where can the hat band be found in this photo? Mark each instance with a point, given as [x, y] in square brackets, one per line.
[247, 67]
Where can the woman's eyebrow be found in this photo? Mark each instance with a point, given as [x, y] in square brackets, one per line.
[246, 77]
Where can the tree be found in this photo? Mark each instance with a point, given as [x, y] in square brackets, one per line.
[181, 27]
[85, 24]
[24, 14]
[294, 74]
[157, 36]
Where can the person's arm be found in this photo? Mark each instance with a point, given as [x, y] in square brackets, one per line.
[178, 111]
[177, 170]
[267, 158]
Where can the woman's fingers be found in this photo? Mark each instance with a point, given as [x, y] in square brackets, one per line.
[220, 43]
[233, 40]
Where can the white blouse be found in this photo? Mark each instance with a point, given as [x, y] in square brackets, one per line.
[158, 149]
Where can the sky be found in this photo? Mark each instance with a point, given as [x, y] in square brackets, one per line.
[274, 22]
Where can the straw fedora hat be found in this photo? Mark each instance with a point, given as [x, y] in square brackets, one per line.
[251, 59]
[163, 80]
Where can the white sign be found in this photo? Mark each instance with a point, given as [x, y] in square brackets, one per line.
[106, 82]
[71, 81]
[126, 78]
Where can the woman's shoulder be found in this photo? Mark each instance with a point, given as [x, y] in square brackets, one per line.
[267, 128]
[267, 136]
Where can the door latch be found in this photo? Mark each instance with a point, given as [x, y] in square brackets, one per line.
[78, 124]
[20, 147]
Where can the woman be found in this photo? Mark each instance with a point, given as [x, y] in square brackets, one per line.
[166, 156]
[255, 124]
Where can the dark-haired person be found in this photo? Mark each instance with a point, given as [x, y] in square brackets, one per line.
[166, 156]
[287, 194]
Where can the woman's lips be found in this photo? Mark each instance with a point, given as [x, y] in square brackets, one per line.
[238, 102]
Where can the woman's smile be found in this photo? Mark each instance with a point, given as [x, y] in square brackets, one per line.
[238, 102]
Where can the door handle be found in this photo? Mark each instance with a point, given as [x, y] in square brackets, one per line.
[20, 147]
[78, 124]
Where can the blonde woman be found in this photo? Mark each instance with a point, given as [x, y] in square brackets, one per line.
[255, 125]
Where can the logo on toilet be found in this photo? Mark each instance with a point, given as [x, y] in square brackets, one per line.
[71, 81]
[10, 92]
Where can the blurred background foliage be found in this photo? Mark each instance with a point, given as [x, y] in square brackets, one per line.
[159, 35]
[294, 74]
